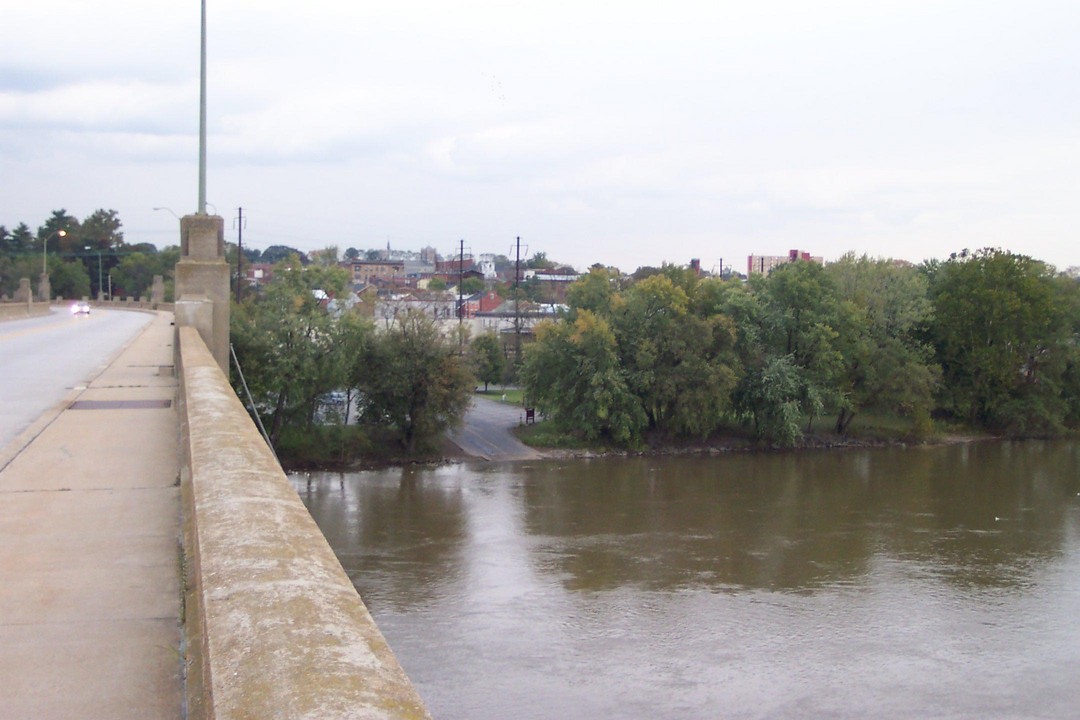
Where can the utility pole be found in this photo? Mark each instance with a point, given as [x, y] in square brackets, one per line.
[239, 251]
[517, 306]
[461, 297]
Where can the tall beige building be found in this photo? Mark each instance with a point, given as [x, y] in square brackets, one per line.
[764, 264]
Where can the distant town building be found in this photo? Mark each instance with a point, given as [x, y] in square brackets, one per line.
[439, 306]
[258, 274]
[764, 264]
[509, 317]
[376, 272]
[481, 303]
[553, 285]
[455, 265]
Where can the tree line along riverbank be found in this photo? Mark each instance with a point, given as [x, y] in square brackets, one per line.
[860, 350]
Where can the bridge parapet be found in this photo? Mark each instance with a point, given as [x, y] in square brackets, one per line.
[274, 626]
[19, 310]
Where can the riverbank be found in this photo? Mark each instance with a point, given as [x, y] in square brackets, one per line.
[496, 431]
[450, 453]
[731, 444]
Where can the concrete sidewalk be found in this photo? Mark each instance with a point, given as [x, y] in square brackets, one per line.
[90, 547]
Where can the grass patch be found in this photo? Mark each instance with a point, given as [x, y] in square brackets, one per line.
[510, 396]
[546, 434]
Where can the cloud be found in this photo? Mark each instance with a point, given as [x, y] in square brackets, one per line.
[102, 106]
[660, 131]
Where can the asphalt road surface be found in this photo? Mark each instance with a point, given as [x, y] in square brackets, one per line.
[486, 432]
[42, 359]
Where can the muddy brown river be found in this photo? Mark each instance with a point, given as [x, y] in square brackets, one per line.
[896, 583]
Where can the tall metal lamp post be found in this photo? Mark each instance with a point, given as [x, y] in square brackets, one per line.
[100, 289]
[45, 247]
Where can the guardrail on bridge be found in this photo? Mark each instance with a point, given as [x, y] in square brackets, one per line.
[274, 626]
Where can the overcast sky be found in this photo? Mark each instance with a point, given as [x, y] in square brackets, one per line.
[624, 133]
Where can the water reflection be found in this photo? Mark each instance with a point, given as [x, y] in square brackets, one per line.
[394, 519]
[839, 584]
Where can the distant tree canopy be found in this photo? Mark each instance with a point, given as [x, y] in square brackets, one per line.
[539, 261]
[1005, 330]
[990, 337]
[472, 285]
[81, 255]
[488, 360]
[280, 253]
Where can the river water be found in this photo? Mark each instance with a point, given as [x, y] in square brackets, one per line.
[891, 583]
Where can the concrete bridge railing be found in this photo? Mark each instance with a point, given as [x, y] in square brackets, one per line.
[15, 310]
[274, 626]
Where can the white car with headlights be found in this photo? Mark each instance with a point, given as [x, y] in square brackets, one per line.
[80, 308]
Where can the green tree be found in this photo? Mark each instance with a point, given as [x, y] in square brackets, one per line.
[68, 279]
[353, 334]
[326, 256]
[539, 261]
[886, 362]
[488, 361]
[775, 395]
[22, 240]
[412, 379]
[682, 277]
[280, 253]
[803, 319]
[100, 230]
[572, 373]
[66, 244]
[286, 342]
[134, 276]
[592, 292]
[472, 285]
[529, 289]
[644, 272]
[167, 259]
[13, 268]
[676, 364]
[436, 284]
[1000, 339]
[1067, 300]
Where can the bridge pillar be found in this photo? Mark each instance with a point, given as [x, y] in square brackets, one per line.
[23, 294]
[44, 288]
[202, 283]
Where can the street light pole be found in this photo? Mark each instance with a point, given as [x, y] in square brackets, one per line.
[45, 247]
[99, 287]
[202, 114]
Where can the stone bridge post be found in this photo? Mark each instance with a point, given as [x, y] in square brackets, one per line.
[44, 288]
[23, 294]
[202, 283]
